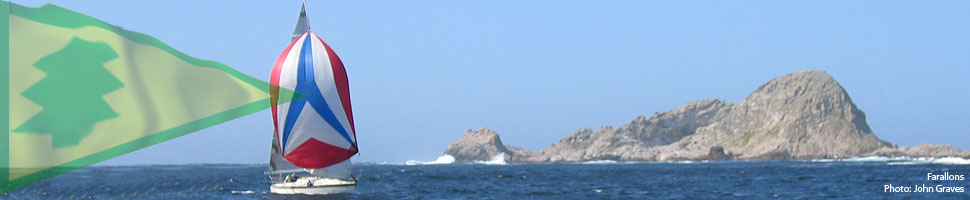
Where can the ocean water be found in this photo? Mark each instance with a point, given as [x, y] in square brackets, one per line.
[862, 178]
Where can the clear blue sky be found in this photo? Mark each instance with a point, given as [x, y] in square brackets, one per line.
[423, 72]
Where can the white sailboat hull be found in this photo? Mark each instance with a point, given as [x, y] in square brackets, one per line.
[314, 186]
[318, 190]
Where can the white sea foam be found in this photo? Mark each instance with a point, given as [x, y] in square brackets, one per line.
[951, 161]
[413, 162]
[908, 163]
[386, 163]
[443, 159]
[903, 160]
[496, 160]
[870, 159]
[242, 192]
[825, 160]
[600, 162]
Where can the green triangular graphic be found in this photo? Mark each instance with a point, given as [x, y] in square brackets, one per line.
[80, 91]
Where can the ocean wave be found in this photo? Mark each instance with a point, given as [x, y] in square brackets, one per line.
[496, 160]
[951, 161]
[385, 163]
[600, 162]
[242, 192]
[908, 163]
[902, 160]
[443, 159]
[874, 159]
[863, 159]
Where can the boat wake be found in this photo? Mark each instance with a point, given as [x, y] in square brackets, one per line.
[902, 160]
[443, 159]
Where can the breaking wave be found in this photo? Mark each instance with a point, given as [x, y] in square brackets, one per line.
[951, 161]
[600, 162]
[496, 160]
[242, 192]
[903, 160]
[874, 159]
[443, 159]
[384, 163]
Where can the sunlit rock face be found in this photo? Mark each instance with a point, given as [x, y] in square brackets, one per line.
[802, 115]
[476, 145]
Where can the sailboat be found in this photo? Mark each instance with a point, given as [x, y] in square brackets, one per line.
[314, 135]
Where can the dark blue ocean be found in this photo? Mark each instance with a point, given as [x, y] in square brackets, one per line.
[598, 180]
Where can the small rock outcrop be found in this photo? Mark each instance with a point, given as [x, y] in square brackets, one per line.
[717, 153]
[802, 115]
[922, 150]
[476, 145]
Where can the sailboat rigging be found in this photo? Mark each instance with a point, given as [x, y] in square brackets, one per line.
[314, 134]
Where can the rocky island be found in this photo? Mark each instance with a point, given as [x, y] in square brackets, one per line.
[800, 116]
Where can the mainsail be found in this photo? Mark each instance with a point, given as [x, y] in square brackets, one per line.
[313, 133]
[302, 24]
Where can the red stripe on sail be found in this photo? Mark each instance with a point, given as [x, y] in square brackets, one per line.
[314, 154]
[274, 87]
[343, 86]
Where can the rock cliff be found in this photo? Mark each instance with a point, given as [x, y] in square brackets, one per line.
[476, 145]
[802, 115]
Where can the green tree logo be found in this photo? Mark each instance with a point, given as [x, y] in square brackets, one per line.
[71, 93]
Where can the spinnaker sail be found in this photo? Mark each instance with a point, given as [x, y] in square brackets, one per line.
[315, 131]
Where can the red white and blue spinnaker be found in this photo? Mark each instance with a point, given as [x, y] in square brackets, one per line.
[313, 123]
[316, 130]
